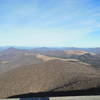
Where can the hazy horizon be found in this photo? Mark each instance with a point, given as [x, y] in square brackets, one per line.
[51, 23]
[44, 47]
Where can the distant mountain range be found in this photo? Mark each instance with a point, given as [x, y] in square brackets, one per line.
[94, 50]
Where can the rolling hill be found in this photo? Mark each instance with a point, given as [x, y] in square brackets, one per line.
[52, 75]
[52, 70]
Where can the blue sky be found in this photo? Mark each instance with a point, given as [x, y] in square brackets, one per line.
[68, 23]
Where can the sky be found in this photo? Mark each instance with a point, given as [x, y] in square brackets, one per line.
[50, 23]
